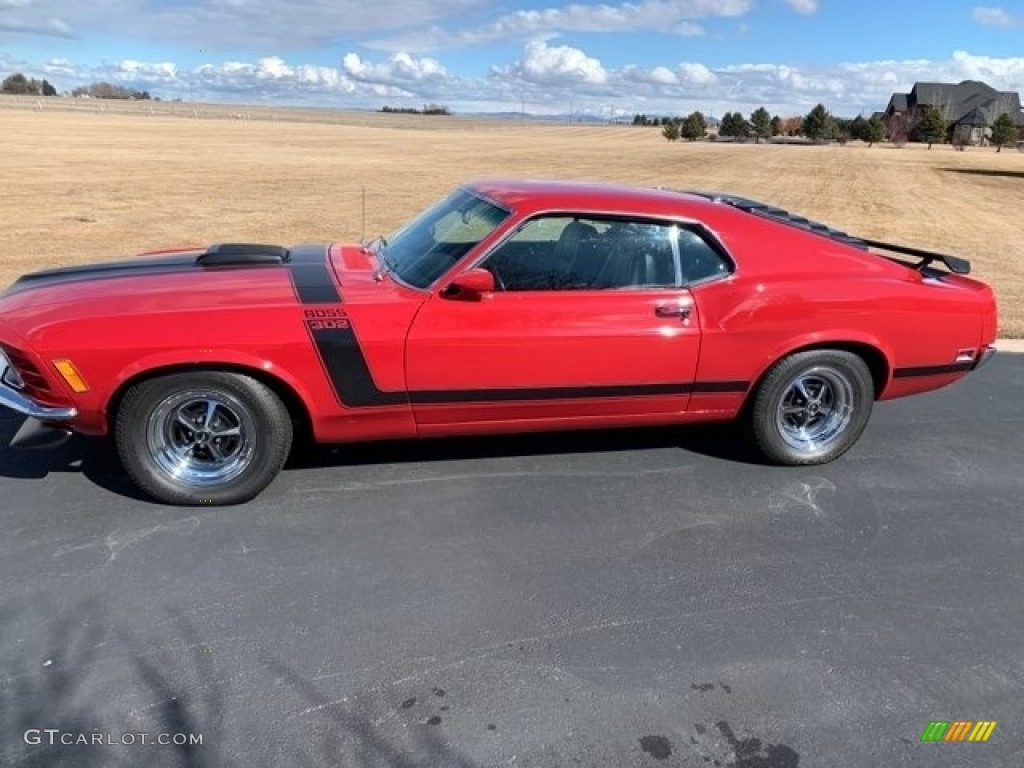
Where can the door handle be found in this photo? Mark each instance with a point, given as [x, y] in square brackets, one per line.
[672, 310]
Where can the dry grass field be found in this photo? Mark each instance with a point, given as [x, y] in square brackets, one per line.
[83, 185]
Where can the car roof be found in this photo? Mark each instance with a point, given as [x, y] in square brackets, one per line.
[542, 194]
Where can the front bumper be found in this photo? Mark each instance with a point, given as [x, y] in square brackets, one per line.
[14, 399]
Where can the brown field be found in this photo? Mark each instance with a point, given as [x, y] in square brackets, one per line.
[80, 184]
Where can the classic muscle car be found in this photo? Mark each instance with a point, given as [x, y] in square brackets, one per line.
[508, 306]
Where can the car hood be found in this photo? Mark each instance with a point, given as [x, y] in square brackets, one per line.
[150, 274]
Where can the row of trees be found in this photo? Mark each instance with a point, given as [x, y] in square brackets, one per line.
[104, 90]
[817, 125]
[20, 85]
[428, 109]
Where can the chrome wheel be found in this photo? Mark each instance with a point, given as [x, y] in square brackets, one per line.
[815, 410]
[201, 438]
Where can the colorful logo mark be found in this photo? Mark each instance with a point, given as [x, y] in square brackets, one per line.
[958, 730]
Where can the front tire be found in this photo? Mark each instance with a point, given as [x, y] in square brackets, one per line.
[811, 407]
[205, 438]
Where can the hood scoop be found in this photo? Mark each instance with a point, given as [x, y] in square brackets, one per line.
[239, 254]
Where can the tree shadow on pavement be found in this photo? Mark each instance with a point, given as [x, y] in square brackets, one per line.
[75, 671]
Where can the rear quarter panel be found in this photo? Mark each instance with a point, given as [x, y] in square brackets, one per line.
[793, 290]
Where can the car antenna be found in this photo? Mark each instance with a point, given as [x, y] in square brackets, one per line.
[362, 232]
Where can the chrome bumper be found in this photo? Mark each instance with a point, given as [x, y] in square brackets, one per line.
[984, 357]
[16, 401]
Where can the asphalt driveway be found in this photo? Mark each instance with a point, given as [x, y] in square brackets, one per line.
[642, 598]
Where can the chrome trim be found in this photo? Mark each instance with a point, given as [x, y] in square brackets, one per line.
[16, 401]
[966, 356]
[986, 355]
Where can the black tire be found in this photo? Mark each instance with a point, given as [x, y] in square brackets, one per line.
[811, 407]
[202, 438]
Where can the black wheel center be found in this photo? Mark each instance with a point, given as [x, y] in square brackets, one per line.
[202, 437]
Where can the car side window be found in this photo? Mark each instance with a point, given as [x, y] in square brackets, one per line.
[698, 259]
[565, 252]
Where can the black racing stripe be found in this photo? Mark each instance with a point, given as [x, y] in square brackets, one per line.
[346, 367]
[931, 370]
[313, 283]
[159, 265]
[435, 396]
[311, 275]
[720, 387]
[338, 348]
[451, 396]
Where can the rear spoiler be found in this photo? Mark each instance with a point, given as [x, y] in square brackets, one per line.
[954, 264]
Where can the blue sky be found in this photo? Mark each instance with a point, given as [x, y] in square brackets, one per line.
[654, 56]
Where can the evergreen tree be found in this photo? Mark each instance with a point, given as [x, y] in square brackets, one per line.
[930, 128]
[761, 122]
[874, 131]
[818, 124]
[694, 127]
[1004, 132]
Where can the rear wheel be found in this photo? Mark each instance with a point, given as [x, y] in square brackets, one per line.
[202, 438]
[812, 406]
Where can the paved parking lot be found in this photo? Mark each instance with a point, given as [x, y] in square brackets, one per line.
[642, 598]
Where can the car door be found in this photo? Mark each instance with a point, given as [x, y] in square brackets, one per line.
[588, 320]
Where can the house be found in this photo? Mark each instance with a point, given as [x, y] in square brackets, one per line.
[969, 108]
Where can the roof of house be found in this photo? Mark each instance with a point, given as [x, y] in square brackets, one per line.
[898, 102]
[959, 102]
[975, 117]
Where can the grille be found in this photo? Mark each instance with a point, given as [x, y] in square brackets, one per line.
[35, 382]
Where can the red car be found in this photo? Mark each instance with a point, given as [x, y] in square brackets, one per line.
[508, 306]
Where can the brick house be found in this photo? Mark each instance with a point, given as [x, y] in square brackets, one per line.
[969, 108]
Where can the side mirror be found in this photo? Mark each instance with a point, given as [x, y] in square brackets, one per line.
[470, 284]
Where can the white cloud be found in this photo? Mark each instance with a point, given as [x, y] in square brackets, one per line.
[400, 68]
[997, 17]
[229, 24]
[546, 78]
[561, 65]
[647, 15]
[805, 7]
[164, 70]
[688, 29]
[44, 27]
[696, 73]
[59, 67]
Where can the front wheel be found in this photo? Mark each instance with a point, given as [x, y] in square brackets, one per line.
[812, 406]
[202, 438]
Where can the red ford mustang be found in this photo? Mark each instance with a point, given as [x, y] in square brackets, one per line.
[508, 306]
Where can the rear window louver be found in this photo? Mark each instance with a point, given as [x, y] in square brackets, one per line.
[229, 254]
[954, 264]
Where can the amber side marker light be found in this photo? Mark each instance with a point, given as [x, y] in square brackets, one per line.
[71, 375]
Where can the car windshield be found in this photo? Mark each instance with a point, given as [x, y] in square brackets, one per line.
[425, 248]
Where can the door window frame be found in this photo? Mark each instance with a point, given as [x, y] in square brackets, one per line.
[675, 224]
